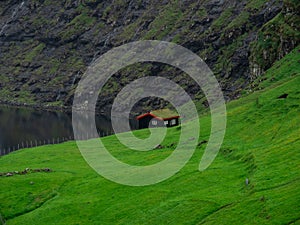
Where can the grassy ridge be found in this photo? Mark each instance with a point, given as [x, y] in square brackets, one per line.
[262, 143]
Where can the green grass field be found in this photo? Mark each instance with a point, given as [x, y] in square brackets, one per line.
[262, 143]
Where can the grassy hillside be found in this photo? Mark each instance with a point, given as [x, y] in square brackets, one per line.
[262, 143]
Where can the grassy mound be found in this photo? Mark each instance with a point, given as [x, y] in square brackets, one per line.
[262, 144]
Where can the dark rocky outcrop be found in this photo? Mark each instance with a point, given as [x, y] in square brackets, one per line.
[46, 46]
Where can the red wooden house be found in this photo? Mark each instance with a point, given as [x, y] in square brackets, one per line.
[158, 118]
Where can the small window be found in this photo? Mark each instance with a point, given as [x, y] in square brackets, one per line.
[154, 122]
[166, 122]
[173, 122]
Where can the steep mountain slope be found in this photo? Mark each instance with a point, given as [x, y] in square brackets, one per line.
[262, 144]
[47, 45]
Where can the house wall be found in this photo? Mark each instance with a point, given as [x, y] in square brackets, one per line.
[173, 122]
[144, 122]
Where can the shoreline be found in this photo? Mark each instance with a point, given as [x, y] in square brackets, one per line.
[38, 107]
[62, 109]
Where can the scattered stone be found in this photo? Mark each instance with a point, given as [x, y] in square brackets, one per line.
[159, 147]
[47, 170]
[23, 172]
[26, 171]
[31, 182]
[247, 181]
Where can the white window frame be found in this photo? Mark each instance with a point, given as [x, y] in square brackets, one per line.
[173, 122]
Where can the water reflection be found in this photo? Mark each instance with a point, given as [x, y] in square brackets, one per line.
[21, 128]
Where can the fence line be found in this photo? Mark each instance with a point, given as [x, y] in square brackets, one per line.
[53, 141]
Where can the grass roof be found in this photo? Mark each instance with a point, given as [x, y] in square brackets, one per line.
[164, 113]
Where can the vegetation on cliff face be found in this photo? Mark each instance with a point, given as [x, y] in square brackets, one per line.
[276, 38]
[262, 144]
[47, 45]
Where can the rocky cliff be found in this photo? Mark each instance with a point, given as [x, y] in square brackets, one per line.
[46, 45]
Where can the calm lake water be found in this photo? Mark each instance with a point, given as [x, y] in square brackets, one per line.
[22, 127]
